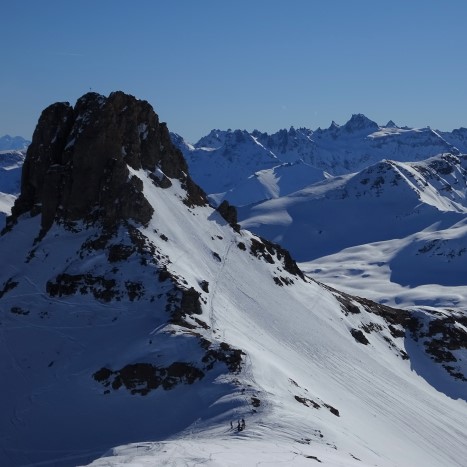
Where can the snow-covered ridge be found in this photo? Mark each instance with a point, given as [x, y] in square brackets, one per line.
[394, 232]
[383, 201]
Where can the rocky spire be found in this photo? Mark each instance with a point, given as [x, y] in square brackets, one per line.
[77, 166]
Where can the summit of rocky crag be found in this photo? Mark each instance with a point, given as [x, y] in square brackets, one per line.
[78, 164]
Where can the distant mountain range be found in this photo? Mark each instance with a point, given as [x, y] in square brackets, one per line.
[15, 143]
[245, 167]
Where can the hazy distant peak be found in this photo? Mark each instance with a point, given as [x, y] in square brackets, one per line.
[214, 139]
[15, 143]
[391, 124]
[360, 122]
[333, 125]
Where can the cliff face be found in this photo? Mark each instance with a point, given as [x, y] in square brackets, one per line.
[77, 166]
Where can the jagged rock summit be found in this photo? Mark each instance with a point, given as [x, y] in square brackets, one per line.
[78, 164]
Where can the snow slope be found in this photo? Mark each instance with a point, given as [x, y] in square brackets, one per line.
[394, 232]
[156, 337]
[423, 269]
[270, 184]
[457, 138]
[298, 347]
[385, 201]
[295, 335]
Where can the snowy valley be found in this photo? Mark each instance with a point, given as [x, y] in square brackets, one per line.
[140, 322]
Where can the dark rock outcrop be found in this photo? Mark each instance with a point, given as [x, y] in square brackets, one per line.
[77, 166]
[141, 378]
[229, 213]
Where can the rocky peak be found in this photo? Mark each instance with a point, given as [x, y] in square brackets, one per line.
[333, 126]
[77, 166]
[215, 139]
[391, 124]
[360, 122]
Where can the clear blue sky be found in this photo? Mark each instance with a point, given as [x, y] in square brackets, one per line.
[264, 64]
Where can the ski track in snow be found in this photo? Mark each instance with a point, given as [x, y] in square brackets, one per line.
[212, 296]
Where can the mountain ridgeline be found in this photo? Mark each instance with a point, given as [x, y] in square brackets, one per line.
[13, 143]
[247, 167]
[132, 311]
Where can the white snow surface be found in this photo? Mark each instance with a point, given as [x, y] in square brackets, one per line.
[404, 222]
[295, 337]
[385, 201]
[424, 269]
[270, 184]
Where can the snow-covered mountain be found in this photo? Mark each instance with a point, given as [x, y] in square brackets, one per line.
[457, 138]
[239, 166]
[404, 222]
[13, 143]
[11, 163]
[386, 200]
[275, 182]
[132, 313]
[223, 158]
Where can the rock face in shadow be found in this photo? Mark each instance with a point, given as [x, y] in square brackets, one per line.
[229, 213]
[77, 166]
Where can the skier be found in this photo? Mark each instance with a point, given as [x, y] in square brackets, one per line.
[231, 425]
[243, 423]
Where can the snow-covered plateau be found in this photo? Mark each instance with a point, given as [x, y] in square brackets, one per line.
[139, 325]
